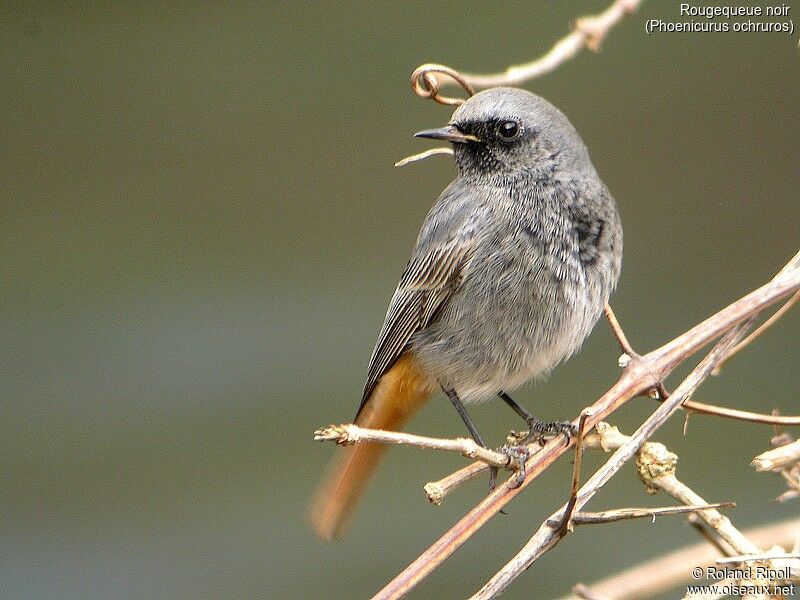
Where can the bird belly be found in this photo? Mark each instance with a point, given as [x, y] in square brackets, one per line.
[496, 334]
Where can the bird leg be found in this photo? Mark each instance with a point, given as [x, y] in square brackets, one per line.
[459, 406]
[537, 427]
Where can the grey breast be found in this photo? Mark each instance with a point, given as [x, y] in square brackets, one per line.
[539, 275]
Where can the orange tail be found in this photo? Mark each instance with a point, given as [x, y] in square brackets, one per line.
[401, 391]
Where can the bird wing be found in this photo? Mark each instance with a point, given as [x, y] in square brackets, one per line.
[428, 281]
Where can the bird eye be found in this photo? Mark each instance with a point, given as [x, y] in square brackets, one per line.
[508, 130]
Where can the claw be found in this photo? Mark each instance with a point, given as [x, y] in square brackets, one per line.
[492, 478]
[541, 429]
[521, 454]
[493, 484]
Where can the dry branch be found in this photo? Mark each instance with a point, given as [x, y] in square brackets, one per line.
[713, 518]
[588, 32]
[757, 557]
[437, 490]
[741, 415]
[667, 572]
[624, 514]
[758, 331]
[350, 433]
[779, 458]
[785, 461]
[654, 465]
[642, 374]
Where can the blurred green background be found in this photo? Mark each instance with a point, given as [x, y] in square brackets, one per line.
[201, 227]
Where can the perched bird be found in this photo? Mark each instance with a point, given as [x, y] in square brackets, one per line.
[509, 274]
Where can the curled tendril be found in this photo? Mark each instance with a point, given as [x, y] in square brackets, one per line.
[425, 85]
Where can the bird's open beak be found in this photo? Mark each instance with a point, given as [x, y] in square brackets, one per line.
[449, 133]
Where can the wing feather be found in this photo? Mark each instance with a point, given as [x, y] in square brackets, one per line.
[426, 284]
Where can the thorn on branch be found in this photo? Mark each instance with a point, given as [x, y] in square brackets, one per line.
[628, 353]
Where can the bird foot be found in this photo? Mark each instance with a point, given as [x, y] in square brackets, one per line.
[520, 454]
[546, 429]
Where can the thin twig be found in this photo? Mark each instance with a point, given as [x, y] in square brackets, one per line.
[778, 458]
[713, 518]
[623, 514]
[763, 556]
[641, 374]
[426, 85]
[656, 466]
[741, 415]
[576, 471]
[437, 490]
[759, 330]
[422, 156]
[710, 535]
[349, 433]
[618, 332]
[588, 32]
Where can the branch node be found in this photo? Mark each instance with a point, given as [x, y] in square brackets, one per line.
[593, 32]
[435, 492]
[654, 462]
[611, 437]
[341, 434]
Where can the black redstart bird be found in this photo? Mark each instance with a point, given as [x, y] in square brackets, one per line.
[509, 274]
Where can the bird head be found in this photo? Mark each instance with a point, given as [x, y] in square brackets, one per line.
[509, 133]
